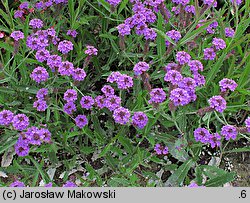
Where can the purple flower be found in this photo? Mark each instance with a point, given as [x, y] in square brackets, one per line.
[211, 28]
[87, 102]
[108, 90]
[34, 136]
[65, 46]
[100, 101]
[17, 184]
[159, 149]
[238, 2]
[179, 97]
[78, 74]
[112, 102]
[45, 135]
[42, 93]
[48, 184]
[171, 66]
[113, 2]
[182, 57]
[227, 84]
[176, 10]
[22, 149]
[81, 121]
[150, 16]
[40, 105]
[6, 117]
[173, 76]
[209, 54]
[218, 43]
[141, 28]
[199, 79]
[36, 23]
[157, 95]
[174, 35]
[20, 122]
[24, 5]
[114, 77]
[39, 5]
[91, 50]
[229, 132]
[17, 35]
[121, 115]
[215, 140]
[218, 103]
[229, 32]
[202, 135]
[187, 84]
[210, 2]
[18, 14]
[139, 120]
[190, 9]
[195, 65]
[42, 55]
[140, 67]
[69, 184]
[70, 95]
[72, 33]
[247, 122]
[149, 34]
[54, 61]
[39, 74]
[69, 108]
[66, 68]
[125, 82]
[123, 29]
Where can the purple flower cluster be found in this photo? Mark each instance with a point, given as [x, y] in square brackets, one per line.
[65, 46]
[227, 84]
[174, 35]
[121, 115]
[123, 81]
[33, 136]
[218, 103]
[140, 67]
[157, 95]
[39, 74]
[179, 97]
[113, 2]
[139, 120]
[81, 121]
[87, 102]
[20, 122]
[36, 23]
[70, 96]
[17, 35]
[17, 183]
[72, 33]
[143, 16]
[161, 150]
[211, 28]
[91, 50]
[229, 32]
[183, 57]
[229, 132]
[204, 136]
[210, 53]
[247, 122]
[6, 117]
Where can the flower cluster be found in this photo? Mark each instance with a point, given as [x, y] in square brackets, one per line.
[123, 81]
[204, 136]
[217, 44]
[161, 150]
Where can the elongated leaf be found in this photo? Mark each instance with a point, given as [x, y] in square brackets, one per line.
[220, 180]
[177, 178]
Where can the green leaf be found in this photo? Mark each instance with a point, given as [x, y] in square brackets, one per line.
[177, 178]
[220, 180]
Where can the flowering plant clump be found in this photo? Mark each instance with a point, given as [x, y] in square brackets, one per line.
[123, 93]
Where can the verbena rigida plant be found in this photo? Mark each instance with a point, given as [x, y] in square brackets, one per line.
[123, 92]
